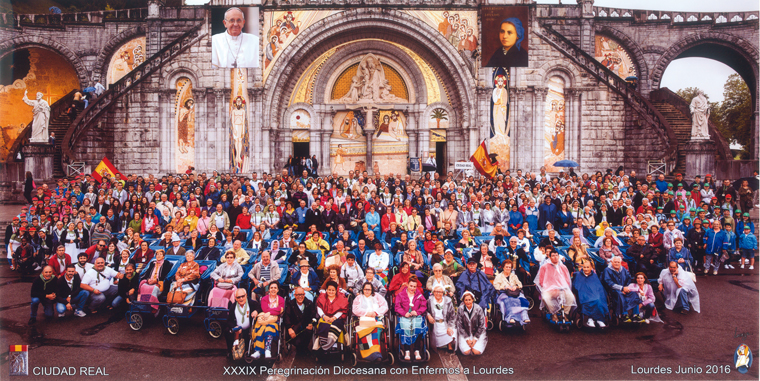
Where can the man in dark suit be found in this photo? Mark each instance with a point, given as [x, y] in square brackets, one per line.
[314, 217]
[241, 316]
[615, 214]
[69, 295]
[298, 320]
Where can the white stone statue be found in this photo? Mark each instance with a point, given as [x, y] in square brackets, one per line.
[41, 119]
[369, 85]
[700, 114]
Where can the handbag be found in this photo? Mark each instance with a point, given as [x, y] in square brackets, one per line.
[238, 350]
[691, 274]
[224, 285]
[514, 293]
[176, 297]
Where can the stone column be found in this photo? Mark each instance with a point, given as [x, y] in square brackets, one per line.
[256, 141]
[38, 159]
[700, 157]
[519, 152]
[369, 129]
[539, 100]
[213, 133]
[326, 131]
[424, 136]
[571, 126]
[266, 137]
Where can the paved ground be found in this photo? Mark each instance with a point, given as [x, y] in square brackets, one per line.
[729, 309]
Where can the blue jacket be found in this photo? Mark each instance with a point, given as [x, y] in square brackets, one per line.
[740, 227]
[714, 241]
[730, 242]
[615, 280]
[546, 213]
[477, 282]
[313, 280]
[748, 241]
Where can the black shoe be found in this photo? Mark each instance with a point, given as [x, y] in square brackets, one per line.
[32, 321]
[684, 312]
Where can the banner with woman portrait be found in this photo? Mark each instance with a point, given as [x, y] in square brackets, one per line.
[504, 37]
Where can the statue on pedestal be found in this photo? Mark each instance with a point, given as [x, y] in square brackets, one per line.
[700, 114]
[41, 110]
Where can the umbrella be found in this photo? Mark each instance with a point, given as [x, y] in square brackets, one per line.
[89, 90]
[566, 163]
[55, 10]
[751, 181]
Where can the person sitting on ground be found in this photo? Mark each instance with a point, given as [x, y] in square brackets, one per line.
[678, 289]
[471, 326]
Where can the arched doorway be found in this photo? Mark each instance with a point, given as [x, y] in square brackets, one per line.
[740, 57]
[30, 70]
[414, 47]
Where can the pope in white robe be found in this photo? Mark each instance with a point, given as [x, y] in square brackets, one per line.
[233, 48]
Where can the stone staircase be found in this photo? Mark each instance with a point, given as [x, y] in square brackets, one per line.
[104, 103]
[676, 112]
[681, 125]
[644, 111]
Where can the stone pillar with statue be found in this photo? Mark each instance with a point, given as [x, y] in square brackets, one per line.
[38, 153]
[700, 152]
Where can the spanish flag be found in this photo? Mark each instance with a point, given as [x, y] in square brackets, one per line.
[483, 162]
[19, 348]
[105, 168]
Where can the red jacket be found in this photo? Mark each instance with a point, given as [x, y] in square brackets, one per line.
[53, 262]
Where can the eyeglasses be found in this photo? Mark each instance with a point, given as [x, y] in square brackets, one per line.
[300, 294]
[240, 297]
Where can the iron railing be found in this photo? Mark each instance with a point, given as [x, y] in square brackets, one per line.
[102, 104]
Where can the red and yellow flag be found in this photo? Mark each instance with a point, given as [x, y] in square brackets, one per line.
[105, 168]
[19, 348]
[483, 162]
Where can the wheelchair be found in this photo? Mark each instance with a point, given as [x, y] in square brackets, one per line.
[424, 350]
[175, 312]
[564, 321]
[497, 314]
[385, 341]
[278, 347]
[338, 350]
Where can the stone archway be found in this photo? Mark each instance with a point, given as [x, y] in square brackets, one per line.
[27, 41]
[737, 45]
[370, 23]
[636, 54]
[100, 68]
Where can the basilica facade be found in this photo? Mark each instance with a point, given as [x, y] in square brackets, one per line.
[370, 85]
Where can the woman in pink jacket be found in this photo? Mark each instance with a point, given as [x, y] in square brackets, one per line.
[411, 327]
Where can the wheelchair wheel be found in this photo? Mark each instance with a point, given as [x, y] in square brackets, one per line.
[215, 329]
[355, 360]
[136, 322]
[248, 359]
[172, 325]
[392, 359]
[427, 355]
[532, 303]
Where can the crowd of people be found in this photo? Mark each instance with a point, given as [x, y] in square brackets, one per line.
[320, 254]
